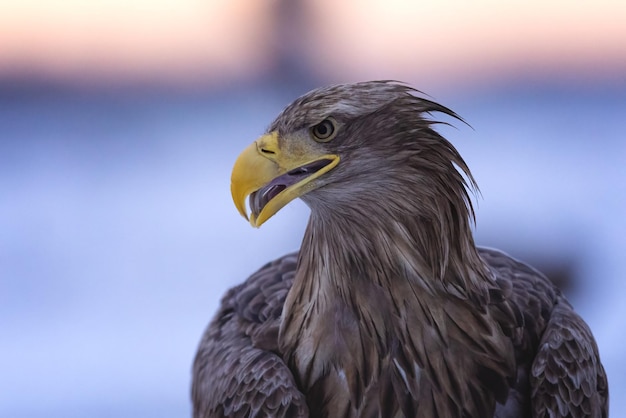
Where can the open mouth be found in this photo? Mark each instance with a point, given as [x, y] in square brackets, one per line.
[261, 197]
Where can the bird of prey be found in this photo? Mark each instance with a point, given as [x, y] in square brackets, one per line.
[388, 309]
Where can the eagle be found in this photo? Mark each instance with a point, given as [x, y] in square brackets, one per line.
[389, 308]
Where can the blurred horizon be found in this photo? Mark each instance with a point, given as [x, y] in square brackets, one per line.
[206, 42]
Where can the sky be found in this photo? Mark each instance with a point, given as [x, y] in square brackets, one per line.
[210, 40]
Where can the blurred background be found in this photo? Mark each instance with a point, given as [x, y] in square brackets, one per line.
[120, 121]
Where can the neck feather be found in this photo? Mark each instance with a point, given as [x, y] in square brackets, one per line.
[360, 280]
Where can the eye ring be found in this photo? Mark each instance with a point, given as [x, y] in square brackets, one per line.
[324, 131]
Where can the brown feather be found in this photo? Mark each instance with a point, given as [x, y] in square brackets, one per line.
[391, 309]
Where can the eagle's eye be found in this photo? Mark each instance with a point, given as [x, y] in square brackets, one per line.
[324, 131]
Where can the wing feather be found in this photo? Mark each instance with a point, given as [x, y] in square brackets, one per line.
[559, 370]
[237, 371]
[567, 375]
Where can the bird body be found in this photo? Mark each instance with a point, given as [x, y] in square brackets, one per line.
[389, 309]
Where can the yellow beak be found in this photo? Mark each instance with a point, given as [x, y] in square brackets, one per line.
[275, 177]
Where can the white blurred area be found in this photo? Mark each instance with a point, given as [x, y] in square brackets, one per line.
[120, 121]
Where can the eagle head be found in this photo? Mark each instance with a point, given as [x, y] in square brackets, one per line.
[348, 148]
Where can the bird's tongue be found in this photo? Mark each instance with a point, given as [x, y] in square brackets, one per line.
[259, 199]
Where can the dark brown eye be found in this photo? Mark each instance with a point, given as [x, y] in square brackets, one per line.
[324, 131]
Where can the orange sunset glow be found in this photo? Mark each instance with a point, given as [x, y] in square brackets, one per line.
[212, 39]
